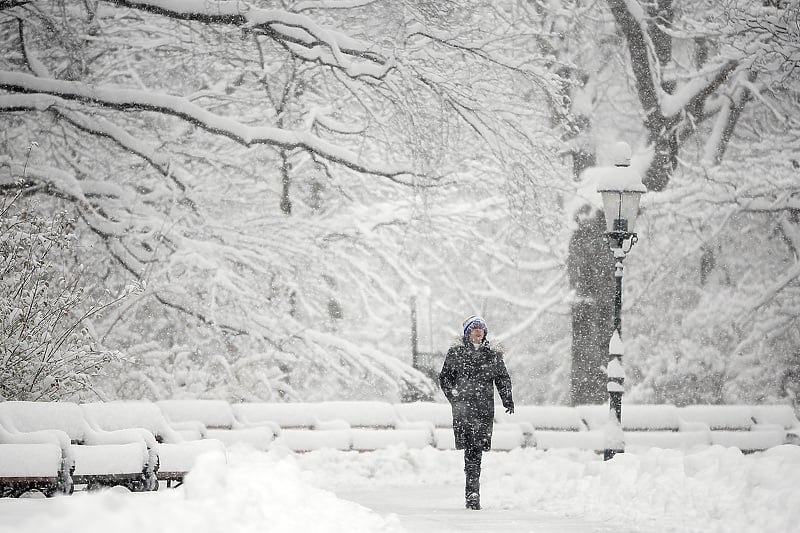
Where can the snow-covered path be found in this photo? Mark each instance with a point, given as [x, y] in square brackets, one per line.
[440, 509]
[398, 490]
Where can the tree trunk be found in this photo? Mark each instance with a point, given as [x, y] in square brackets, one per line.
[591, 275]
[590, 316]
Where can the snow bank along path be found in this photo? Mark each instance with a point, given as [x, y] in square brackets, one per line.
[715, 489]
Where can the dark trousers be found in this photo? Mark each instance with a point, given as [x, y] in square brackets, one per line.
[472, 470]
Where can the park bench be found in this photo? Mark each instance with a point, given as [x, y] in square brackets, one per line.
[750, 428]
[782, 416]
[649, 426]
[734, 426]
[510, 435]
[176, 454]
[214, 419]
[33, 462]
[375, 425]
[298, 425]
[555, 427]
[439, 416]
[95, 457]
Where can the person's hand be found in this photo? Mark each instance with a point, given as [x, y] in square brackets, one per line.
[510, 408]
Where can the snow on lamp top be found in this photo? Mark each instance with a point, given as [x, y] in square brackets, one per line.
[621, 177]
[622, 154]
[621, 188]
[622, 173]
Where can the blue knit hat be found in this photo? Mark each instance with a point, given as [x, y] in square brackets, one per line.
[475, 322]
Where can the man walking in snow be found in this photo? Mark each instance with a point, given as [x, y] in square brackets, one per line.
[470, 372]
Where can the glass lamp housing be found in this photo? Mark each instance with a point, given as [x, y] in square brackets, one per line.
[621, 189]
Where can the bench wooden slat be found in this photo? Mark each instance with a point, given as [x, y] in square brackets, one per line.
[88, 478]
[15, 480]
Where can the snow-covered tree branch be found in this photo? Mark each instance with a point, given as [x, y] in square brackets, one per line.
[277, 181]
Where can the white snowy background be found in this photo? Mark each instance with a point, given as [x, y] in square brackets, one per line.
[240, 200]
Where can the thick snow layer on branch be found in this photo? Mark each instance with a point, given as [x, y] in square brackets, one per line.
[313, 32]
[354, 56]
[330, 4]
[20, 102]
[672, 104]
[131, 99]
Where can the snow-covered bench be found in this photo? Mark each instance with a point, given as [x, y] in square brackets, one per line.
[117, 415]
[298, 426]
[510, 435]
[439, 415]
[733, 426]
[35, 460]
[511, 431]
[438, 418]
[780, 415]
[215, 420]
[176, 455]
[278, 416]
[553, 426]
[342, 425]
[95, 457]
[545, 417]
[33, 464]
[375, 425]
[649, 426]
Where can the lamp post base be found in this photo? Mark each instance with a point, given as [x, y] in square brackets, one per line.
[609, 454]
[615, 436]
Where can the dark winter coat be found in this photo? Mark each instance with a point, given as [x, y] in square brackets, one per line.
[468, 378]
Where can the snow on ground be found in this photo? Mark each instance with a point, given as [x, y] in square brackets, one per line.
[710, 490]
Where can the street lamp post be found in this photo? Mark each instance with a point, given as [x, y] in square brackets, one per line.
[621, 188]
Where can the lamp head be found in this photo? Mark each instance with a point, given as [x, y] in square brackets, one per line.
[621, 188]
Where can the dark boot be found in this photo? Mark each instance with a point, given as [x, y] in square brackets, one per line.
[472, 472]
[474, 501]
